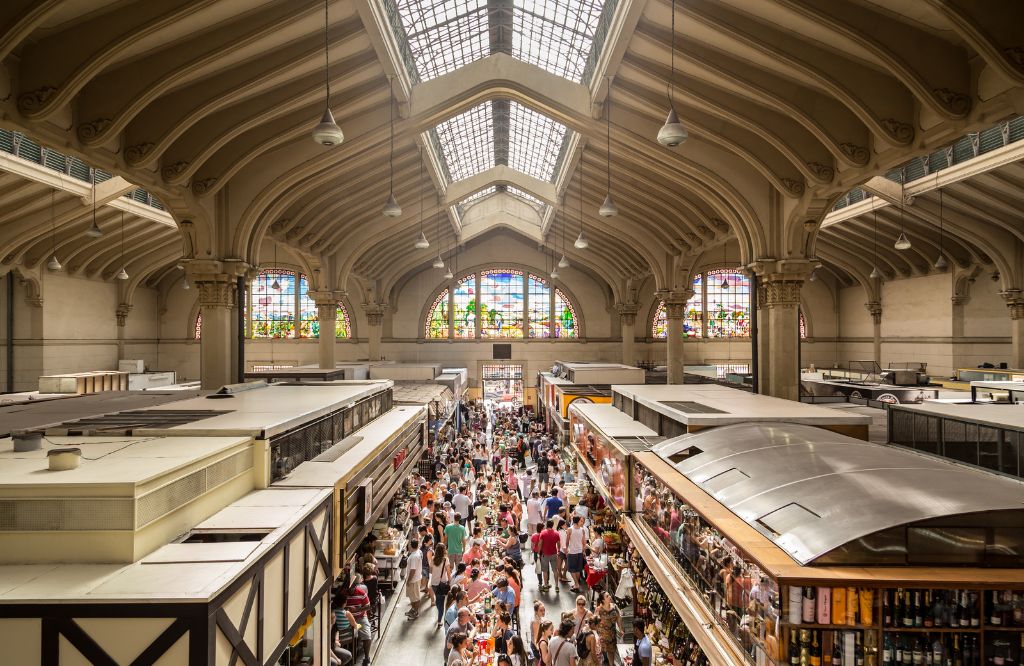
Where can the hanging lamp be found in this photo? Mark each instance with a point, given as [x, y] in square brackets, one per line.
[875, 273]
[672, 133]
[327, 133]
[563, 262]
[122, 274]
[94, 230]
[275, 285]
[438, 262]
[608, 208]
[53, 264]
[554, 268]
[391, 208]
[941, 262]
[421, 243]
[581, 242]
[902, 242]
[725, 261]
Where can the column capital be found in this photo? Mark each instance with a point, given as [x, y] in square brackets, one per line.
[675, 302]
[375, 313]
[780, 281]
[627, 312]
[875, 309]
[326, 296]
[959, 300]
[1014, 302]
[122, 314]
[216, 280]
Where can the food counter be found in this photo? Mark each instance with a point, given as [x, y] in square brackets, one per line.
[782, 542]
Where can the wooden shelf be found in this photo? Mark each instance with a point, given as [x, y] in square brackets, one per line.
[933, 630]
[992, 627]
[831, 627]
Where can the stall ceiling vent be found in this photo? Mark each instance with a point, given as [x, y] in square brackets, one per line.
[176, 494]
[124, 423]
[690, 407]
[635, 444]
[60, 514]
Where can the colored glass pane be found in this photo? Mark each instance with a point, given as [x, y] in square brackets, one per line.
[437, 318]
[272, 314]
[501, 304]
[693, 324]
[728, 304]
[198, 333]
[309, 323]
[564, 317]
[464, 308]
[803, 327]
[540, 307]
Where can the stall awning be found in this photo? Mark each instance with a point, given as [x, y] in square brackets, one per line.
[812, 491]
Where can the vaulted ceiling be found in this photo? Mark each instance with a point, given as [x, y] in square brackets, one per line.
[208, 106]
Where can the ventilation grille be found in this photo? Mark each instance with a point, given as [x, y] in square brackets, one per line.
[690, 407]
[152, 506]
[55, 515]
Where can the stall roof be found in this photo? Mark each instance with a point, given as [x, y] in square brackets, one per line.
[611, 421]
[420, 392]
[811, 491]
[180, 572]
[714, 405]
[997, 416]
[270, 410]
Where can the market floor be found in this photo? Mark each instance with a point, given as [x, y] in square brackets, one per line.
[419, 642]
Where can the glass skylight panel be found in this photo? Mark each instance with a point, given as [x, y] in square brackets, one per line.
[467, 142]
[527, 197]
[534, 142]
[556, 35]
[444, 36]
[477, 196]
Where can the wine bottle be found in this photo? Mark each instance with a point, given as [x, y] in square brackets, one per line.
[824, 605]
[937, 657]
[972, 606]
[887, 653]
[939, 609]
[918, 654]
[968, 651]
[965, 614]
[837, 649]
[808, 615]
[886, 608]
[908, 610]
[918, 615]
[858, 651]
[794, 649]
[908, 650]
[958, 656]
[926, 609]
[998, 657]
[815, 649]
[995, 618]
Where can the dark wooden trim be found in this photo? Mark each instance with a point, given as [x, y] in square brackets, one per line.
[310, 608]
[163, 643]
[112, 610]
[49, 649]
[255, 588]
[287, 588]
[237, 641]
[260, 603]
[84, 643]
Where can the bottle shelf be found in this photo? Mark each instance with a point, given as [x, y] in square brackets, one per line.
[832, 627]
[993, 627]
[931, 630]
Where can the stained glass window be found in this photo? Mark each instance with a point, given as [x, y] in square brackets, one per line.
[803, 327]
[309, 324]
[198, 332]
[464, 308]
[540, 307]
[693, 324]
[272, 311]
[659, 328]
[501, 304]
[728, 304]
[564, 317]
[437, 318]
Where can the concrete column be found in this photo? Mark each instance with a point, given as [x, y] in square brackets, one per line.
[875, 308]
[782, 281]
[675, 313]
[218, 301]
[627, 323]
[326, 315]
[375, 319]
[1015, 303]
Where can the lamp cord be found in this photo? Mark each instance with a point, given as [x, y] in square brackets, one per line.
[327, 60]
[672, 75]
[582, 151]
[608, 133]
[391, 156]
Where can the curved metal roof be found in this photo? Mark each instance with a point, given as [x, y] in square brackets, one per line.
[811, 490]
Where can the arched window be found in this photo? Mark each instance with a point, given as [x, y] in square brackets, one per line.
[437, 319]
[803, 326]
[719, 308]
[501, 303]
[198, 333]
[273, 300]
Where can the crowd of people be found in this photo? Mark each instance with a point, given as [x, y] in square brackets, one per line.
[494, 518]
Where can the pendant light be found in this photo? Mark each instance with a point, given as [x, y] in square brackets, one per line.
[554, 269]
[94, 230]
[327, 133]
[608, 208]
[438, 262]
[902, 242]
[875, 273]
[122, 274]
[581, 242]
[672, 133]
[563, 262]
[725, 261]
[275, 285]
[448, 275]
[185, 284]
[391, 208]
[421, 243]
[941, 262]
[53, 264]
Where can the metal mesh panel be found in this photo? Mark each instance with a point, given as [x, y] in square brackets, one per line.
[988, 447]
[162, 501]
[49, 515]
[229, 468]
[901, 429]
[296, 447]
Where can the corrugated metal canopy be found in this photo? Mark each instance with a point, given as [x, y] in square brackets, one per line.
[811, 490]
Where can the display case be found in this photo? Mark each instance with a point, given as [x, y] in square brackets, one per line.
[766, 538]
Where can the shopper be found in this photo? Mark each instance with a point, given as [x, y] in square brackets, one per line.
[462, 503]
[414, 576]
[440, 579]
[357, 602]
[544, 643]
[459, 655]
[517, 652]
[539, 613]
[609, 627]
[552, 505]
[455, 538]
[562, 647]
[463, 625]
[576, 542]
[587, 644]
[549, 545]
[642, 652]
[578, 616]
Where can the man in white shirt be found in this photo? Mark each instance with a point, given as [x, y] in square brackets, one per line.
[462, 504]
[412, 583]
[561, 647]
[534, 517]
[577, 538]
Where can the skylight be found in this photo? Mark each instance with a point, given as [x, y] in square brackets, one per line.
[523, 196]
[501, 132]
[444, 35]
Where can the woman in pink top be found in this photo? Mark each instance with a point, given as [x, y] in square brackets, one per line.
[477, 588]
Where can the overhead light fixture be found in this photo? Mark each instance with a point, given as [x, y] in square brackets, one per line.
[581, 242]
[327, 133]
[53, 264]
[875, 273]
[813, 277]
[554, 273]
[184, 284]
[275, 285]
[421, 243]
[438, 262]
[672, 133]
[94, 230]
[122, 274]
[725, 262]
[941, 262]
[448, 275]
[563, 262]
[902, 242]
[608, 208]
[391, 208]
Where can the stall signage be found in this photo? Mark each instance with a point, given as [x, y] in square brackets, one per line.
[400, 458]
